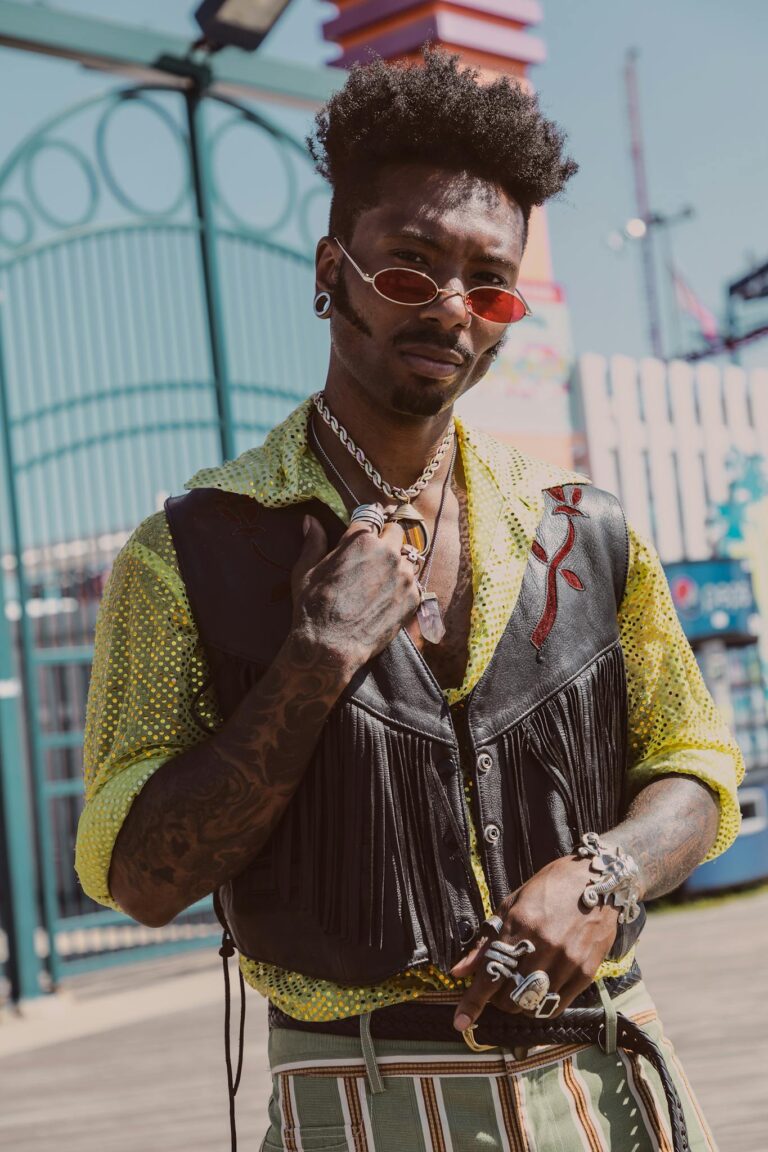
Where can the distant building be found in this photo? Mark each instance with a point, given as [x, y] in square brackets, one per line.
[686, 450]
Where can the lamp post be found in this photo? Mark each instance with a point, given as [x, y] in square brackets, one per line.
[237, 23]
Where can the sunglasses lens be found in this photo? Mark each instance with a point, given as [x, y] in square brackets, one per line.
[497, 305]
[404, 286]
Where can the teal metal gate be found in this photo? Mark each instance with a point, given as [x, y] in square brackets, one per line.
[148, 327]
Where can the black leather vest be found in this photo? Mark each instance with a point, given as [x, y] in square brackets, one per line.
[369, 871]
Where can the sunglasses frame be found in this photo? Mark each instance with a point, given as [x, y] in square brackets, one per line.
[466, 296]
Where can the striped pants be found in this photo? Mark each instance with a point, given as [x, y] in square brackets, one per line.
[329, 1096]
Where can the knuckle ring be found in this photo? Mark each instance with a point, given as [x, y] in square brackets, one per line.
[532, 994]
[370, 514]
[501, 958]
[493, 924]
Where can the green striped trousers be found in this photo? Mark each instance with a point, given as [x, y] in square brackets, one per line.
[327, 1096]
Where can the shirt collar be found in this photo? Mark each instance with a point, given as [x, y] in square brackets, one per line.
[283, 470]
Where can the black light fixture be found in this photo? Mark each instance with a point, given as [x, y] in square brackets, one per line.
[241, 23]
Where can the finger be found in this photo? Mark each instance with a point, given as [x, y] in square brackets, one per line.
[393, 534]
[503, 1001]
[474, 1000]
[469, 963]
[314, 548]
[571, 989]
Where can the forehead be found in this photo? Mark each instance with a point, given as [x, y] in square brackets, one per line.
[456, 208]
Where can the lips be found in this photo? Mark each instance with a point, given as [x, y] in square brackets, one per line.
[432, 360]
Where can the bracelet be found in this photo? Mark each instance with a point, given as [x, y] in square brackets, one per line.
[618, 877]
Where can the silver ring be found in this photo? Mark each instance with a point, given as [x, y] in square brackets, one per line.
[411, 552]
[513, 952]
[493, 924]
[502, 958]
[372, 514]
[529, 991]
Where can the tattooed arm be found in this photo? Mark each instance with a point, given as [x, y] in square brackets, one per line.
[204, 814]
[670, 827]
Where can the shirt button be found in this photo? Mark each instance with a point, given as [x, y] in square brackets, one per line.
[484, 762]
[491, 833]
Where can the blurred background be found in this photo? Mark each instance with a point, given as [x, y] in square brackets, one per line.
[158, 217]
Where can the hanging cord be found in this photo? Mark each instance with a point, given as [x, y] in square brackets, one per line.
[228, 949]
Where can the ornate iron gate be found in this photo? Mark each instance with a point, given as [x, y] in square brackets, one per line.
[146, 329]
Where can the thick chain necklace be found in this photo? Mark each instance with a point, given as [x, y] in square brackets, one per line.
[403, 495]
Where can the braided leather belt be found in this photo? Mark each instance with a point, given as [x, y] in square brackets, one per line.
[582, 1024]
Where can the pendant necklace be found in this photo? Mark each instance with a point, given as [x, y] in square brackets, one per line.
[428, 614]
[412, 520]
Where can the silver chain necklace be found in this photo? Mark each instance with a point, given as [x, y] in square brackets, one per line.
[428, 613]
[403, 495]
[331, 464]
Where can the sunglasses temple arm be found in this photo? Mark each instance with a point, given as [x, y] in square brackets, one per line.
[356, 266]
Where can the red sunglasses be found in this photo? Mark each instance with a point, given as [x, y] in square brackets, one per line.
[407, 286]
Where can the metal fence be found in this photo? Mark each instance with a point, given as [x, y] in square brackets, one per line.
[138, 343]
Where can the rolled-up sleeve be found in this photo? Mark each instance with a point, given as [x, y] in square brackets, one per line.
[674, 725]
[147, 700]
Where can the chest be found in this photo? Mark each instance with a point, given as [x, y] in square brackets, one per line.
[450, 579]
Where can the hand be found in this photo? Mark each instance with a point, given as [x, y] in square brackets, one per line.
[570, 941]
[353, 600]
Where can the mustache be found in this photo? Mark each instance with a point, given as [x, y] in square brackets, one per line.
[437, 340]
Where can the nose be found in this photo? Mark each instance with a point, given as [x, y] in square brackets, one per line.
[450, 308]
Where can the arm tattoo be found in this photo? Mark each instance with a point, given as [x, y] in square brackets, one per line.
[669, 828]
[203, 816]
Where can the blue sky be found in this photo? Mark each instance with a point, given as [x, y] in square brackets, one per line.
[704, 91]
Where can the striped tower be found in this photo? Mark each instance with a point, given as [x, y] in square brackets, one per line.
[524, 398]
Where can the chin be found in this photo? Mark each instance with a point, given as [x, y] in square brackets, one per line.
[425, 399]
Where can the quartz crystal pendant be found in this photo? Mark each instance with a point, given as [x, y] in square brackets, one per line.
[430, 618]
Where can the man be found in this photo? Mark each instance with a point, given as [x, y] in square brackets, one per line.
[431, 741]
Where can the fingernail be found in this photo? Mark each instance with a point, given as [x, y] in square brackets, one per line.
[305, 525]
[462, 1022]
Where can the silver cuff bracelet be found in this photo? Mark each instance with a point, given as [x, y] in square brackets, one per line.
[618, 877]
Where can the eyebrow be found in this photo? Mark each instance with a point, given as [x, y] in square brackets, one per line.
[409, 232]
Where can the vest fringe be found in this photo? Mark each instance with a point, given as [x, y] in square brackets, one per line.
[579, 737]
[391, 816]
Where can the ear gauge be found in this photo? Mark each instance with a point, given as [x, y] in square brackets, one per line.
[321, 306]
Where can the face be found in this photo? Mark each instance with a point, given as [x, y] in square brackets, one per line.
[463, 232]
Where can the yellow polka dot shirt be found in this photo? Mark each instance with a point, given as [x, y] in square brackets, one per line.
[149, 665]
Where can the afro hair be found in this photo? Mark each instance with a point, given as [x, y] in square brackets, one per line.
[440, 112]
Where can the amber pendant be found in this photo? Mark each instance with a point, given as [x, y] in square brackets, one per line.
[430, 618]
[413, 524]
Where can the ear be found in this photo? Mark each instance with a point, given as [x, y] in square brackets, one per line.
[327, 259]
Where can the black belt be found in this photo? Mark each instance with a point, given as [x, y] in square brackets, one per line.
[584, 1023]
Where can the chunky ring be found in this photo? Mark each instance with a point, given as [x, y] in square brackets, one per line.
[493, 924]
[411, 553]
[502, 958]
[372, 514]
[529, 991]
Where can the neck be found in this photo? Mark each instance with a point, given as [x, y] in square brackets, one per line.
[399, 446]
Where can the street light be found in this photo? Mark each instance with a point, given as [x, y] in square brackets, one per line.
[240, 23]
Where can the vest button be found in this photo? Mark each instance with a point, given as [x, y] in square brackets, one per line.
[466, 930]
[484, 762]
[491, 833]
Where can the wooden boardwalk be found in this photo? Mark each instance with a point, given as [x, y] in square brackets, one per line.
[132, 1060]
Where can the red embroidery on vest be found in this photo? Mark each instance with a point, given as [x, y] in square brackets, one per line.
[554, 566]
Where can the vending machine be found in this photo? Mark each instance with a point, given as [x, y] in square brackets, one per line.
[716, 606]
